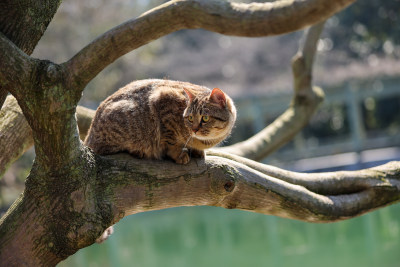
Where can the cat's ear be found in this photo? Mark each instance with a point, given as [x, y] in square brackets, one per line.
[218, 97]
[189, 94]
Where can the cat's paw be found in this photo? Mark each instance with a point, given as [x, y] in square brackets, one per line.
[197, 153]
[183, 158]
[105, 235]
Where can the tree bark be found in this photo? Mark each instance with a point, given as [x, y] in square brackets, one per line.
[16, 134]
[244, 184]
[25, 26]
[81, 210]
[23, 22]
[3, 95]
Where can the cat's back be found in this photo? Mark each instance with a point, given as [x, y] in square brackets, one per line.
[132, 118]
[150, 90]
[123, 121]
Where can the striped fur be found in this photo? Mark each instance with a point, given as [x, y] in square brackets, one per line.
[161, 118]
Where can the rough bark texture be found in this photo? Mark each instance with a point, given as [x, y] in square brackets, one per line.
[23, 22]
[244, 184]
[16, 134]
[3, 95]
[72, 195]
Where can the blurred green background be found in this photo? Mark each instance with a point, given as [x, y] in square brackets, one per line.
[358, 126]
[209, 236]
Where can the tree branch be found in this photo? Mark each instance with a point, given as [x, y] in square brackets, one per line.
[15, 67]
[25, 22]
[3, 95]
[252, 20]
[16, 134]
[123, 185]
[305, 101]
[150, 185]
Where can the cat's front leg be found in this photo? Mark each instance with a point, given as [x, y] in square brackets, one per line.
[194, 153]
[179, 155]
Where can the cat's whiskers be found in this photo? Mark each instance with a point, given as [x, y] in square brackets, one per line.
[184, 146]
[189, 139]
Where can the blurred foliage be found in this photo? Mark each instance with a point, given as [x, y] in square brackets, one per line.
[331, 121]
[368, 27]
[381, 115]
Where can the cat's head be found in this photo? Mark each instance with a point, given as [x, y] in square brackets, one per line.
[210, 116]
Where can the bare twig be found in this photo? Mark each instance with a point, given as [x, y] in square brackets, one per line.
[305, 101]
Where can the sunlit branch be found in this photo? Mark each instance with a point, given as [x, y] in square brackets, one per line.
[231, 184]
[239, 19]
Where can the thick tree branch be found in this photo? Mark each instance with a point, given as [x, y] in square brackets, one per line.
[341, 182]
[255, 19]
[15, 66]
[305, 101]
[123, 185]
[18, 25]
[24, 22]
[127, 186]
[149, 185]
[16, 134]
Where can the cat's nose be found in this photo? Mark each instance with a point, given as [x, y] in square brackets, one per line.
[195, 129]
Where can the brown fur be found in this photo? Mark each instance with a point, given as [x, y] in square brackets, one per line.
[157, 118]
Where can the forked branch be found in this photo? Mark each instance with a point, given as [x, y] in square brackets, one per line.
[16, 134]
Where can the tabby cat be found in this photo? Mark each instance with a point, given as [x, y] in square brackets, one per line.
[161, 118]
[157, 118]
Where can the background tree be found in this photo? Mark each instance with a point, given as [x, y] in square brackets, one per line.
[72, 195]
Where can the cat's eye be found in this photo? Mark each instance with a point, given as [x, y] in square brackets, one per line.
[206, 118]
[190, 118]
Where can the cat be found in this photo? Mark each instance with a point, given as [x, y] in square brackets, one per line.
[161, 118]
[155, 119]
